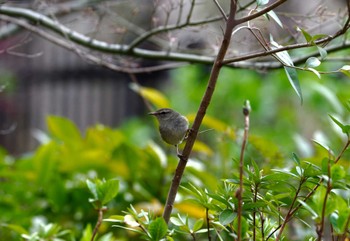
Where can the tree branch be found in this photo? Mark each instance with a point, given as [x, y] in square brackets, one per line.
[192, 135]
[260, 13]
[37, 19]
[239, 193]
[86, 56]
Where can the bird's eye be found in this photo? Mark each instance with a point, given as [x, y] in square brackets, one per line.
[164, 112]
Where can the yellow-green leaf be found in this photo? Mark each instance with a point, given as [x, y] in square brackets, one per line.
[345, 70]
[154, 96]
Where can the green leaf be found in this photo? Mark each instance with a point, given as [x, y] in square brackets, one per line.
[324, 166]
[323, 145]
[257, 172]
[318, 36]
[16, 228]
[294, 81]
[329, 95]
[337, 172]
[57, 193]
[345, 128]
[45, 164]
[157, 229]
[262, 2]
[177, 222]
[198, 225]
[226, 217]
[315, 72]
[339, 219]
[274, 16]
[306, 35]
[345, 70]
[108, 190]
[87, 233]
[244, 226]
[103, 191]
[300, 171]
[312, 62]
[63, 129]
[307, 207]
[296, 158]
[92, 187]
[323, 52]
[291, 73]
[347, 105]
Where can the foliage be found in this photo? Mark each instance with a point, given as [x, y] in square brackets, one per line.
[46, 194]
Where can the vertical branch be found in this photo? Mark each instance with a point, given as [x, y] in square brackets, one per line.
[208, 223]
[289, 213]
[99, 222]
[255, 190]
[262, 221]
[246, 111]
[180, 12]
[191, 11]
[193, 131]
[220, 9]
[320, 226]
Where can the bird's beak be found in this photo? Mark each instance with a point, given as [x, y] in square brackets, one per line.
[152, 113]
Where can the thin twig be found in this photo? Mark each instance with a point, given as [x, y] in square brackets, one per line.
[239, 194]
[260, 13]
[342, 151]
[89, 57]
[188, 20]
[220, 9]
[99, 222]
[255, 198]
[290, 211]
[320, 226]
[208, 223]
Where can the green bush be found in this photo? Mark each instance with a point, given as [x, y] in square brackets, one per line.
[65, 187]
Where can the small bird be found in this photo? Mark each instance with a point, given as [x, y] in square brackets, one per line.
[172, 126]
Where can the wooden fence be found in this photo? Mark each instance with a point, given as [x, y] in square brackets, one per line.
[57, 82]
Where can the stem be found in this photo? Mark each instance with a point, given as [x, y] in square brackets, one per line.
[343, 237]
[254, 212]
[208, 223]
[99, 222]
[262, 221]
[193, 131]
[290, 211]
[320, 227]
[342, 151]
[246, 110]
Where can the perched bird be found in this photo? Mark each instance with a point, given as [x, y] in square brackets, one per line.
[172, 126]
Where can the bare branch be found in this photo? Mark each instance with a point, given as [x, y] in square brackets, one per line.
[168, 28]
[89, 57]
[131, 50]
[220, 9]
[191, 11]
[260, 13]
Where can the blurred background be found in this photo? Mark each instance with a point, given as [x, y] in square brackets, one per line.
[39, 78]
